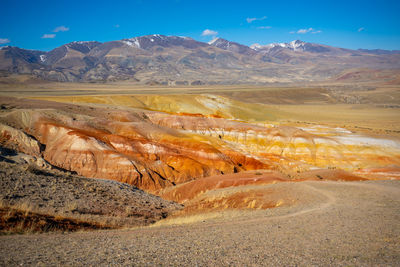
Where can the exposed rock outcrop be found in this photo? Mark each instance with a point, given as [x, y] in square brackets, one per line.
[18, 140]
[154, 149]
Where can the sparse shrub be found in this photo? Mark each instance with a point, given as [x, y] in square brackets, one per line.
[32, 168]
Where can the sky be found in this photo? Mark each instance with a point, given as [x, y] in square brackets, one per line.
[44, 25]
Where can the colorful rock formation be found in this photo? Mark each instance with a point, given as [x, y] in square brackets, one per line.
[154, 150]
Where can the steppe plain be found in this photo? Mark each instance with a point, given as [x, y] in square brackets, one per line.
[279, 175]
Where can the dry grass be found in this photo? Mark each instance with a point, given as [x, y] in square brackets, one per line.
[378, 111]
[22, 221]
[24, 218]
[359, 118]
[35, 200]
[195, 218]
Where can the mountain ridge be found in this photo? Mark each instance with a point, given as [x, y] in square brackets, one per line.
[252, 46]
[182, 60]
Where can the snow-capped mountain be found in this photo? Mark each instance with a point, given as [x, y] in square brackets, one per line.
[231, 46]
[83, 46]
[295, 45]
[70, 50]
[148, 41]
[182, 60]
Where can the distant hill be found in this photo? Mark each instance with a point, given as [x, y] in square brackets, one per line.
[174, 60]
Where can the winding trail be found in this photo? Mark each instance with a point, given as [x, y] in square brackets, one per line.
[336, 223]
[330, 200]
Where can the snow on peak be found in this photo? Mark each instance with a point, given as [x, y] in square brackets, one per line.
[256, 46]
[297, 42]
[297, 45]
[293, 45]
[157, 39]
[217, 40]
[278, 44]
[86, 44]
[81, 42]
[136, 42]
[221, 43]
[157, 36]
[42, 58]
[213, 40]
[133, 42]
[185, 37]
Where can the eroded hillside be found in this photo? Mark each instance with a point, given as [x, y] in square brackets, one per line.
[206, 151]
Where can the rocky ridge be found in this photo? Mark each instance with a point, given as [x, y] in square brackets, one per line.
[175, 60]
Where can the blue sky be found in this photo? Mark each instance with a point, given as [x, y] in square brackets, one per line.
[44, 25]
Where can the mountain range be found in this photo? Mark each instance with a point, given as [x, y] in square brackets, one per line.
[174, 60]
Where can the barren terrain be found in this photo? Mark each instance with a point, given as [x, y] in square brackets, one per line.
[35, 199]
[334, 223]
[177, 60]
[245, 175]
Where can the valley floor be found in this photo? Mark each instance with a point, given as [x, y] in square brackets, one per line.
[339, 223]
[306, 137]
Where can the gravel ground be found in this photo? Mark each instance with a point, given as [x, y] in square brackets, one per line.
[350, 224]
[27, 188]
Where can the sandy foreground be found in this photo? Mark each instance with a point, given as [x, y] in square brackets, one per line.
[339, 223]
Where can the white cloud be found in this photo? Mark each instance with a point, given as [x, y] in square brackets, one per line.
[264, 27]
[4, 41]
[48, 36]
[250, 20]
[304, 31]
[361, 29]
[61, 29]
[208, 32]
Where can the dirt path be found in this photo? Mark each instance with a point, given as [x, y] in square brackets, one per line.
[352, 223]
[330, 200]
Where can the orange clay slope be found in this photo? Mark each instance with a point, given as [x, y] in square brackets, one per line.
[155, 150]
[245, 190]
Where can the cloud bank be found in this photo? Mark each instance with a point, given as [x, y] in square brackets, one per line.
[4, 41]
[250, 20]
[61, 29]
[304, 31]
[208, 32]
[264, 27]
[48, 36]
